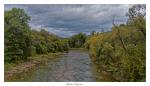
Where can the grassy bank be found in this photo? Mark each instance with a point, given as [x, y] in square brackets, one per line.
[19, 67]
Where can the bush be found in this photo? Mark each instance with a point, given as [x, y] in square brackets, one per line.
[107, 49]
[41, 49]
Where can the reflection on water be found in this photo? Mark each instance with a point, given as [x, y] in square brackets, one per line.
[72, 66]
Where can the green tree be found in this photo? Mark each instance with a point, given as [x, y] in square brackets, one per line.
[17, 34]
[77, 41]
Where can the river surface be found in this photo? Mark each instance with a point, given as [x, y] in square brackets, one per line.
[69, 67]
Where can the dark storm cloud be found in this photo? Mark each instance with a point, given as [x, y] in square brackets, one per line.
[66, 20]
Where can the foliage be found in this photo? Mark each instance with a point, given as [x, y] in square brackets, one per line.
[123, 50]
[21, 42]
[17, 34]
[44, 42]
[137, 17]
[77, 41]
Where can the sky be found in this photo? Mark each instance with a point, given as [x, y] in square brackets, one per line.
[68, 19]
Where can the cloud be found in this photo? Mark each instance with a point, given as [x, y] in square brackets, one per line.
[66, 20]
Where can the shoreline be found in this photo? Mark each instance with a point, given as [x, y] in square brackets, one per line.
[18, 68]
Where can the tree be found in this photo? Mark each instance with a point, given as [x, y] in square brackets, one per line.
[92, 33]
[136, 11]
[45, 42]
[137, 17]
[119, 35]
[77, 40]
[17, 34]
[122, 51]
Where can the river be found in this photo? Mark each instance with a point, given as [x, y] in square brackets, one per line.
[75, 65]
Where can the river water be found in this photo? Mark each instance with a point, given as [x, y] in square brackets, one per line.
[69, 67]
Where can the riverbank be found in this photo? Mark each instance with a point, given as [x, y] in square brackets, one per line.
[11, 69]
[102, 70]
[75, 65]
[82, 49]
